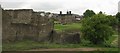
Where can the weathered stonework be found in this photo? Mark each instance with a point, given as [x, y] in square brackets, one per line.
[25, 24]
[72, 37]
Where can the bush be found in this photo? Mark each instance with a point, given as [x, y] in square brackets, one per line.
[98, 28]
[118, 16]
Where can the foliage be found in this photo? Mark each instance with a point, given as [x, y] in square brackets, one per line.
[100, 12]
[88, 13]
[98, 28]
[118, 16]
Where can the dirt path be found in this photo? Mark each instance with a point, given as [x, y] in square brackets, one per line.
[67, 49]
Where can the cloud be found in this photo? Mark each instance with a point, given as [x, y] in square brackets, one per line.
[76, 6]
[10, 4]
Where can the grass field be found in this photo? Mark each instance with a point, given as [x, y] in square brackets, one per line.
[29, 45]
[60, 27]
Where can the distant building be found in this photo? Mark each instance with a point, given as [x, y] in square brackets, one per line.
[67, 18]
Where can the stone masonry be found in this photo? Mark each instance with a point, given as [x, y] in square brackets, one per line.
[23, 24]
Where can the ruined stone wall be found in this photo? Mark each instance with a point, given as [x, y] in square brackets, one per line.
[8, 32]
[64, 37]
[25, 24]
[45, 26]
[20, 16]
[24, 31]
[15, 25]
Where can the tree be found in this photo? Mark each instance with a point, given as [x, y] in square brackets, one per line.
[88, 13]
[118, 16]
[97, 29]
[100, 12]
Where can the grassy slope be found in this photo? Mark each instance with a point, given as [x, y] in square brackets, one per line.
[60, 27]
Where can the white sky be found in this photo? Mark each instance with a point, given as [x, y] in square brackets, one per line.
[54, 6]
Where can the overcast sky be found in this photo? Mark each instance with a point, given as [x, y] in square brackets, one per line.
[54, 6]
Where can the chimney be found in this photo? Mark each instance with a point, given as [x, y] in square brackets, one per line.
[60, 12]
[69, 12]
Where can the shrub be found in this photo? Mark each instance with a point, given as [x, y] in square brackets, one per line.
[98, 28]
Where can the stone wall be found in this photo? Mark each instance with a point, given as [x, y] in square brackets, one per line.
[7, 31]
[0, 28]
[25, 24]
[73, 38]
[20, 15]
[65, 37]
[44, 26]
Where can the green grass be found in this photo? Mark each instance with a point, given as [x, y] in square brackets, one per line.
[109, 49]
[113, 41]
[60, 27]
[28, 45]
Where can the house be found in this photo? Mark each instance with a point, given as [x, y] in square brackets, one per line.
[67, 18]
